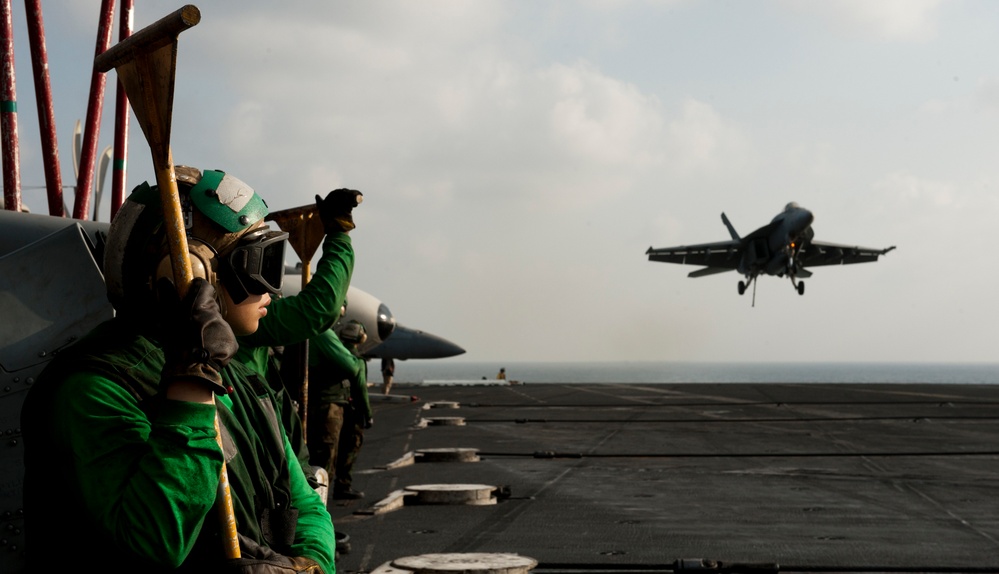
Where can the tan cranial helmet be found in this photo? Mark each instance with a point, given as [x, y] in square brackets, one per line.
[227, 240]
[352, 333]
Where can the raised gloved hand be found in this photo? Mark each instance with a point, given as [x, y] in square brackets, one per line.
[335, 210]
[197, 340]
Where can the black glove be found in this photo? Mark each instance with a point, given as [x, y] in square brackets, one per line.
[198, 342]
[335, 210]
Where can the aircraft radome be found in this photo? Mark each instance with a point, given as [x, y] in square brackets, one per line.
[386, 338]
[782, 247]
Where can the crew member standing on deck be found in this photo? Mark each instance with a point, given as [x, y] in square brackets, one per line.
[339, 409]
[501, 375]
[316, 308]
[388, 371]
[130, 411]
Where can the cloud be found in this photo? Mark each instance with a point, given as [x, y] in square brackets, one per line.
[701, 140]
[986, 95]
[597, 118]
[906, 189]
[441, 105]
[883, 20]
[984, 98]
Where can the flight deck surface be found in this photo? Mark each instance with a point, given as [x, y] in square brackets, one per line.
[631, 477]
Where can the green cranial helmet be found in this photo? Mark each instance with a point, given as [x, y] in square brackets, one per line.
[227, 201]
[227, 240]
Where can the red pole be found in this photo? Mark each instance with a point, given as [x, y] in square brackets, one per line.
[46, 111]
[120, 162]
[88, 156]
[8, 114]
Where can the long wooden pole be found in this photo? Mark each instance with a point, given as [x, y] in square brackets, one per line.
[146, 65]
[305, 230]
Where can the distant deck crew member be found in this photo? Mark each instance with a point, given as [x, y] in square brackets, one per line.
[388, 371]
[339, 408]
[501, 375]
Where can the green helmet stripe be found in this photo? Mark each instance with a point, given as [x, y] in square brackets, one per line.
[227, 201]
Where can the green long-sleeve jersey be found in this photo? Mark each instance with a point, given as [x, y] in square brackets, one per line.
[115, 470]
[291, 320]
[330, 363]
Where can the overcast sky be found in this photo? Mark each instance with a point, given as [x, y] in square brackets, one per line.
[518, 158]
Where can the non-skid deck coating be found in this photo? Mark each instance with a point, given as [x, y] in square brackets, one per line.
[629, 477]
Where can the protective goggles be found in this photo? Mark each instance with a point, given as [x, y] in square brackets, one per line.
[256, 264]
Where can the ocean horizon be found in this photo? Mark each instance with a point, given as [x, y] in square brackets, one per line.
[438, 370]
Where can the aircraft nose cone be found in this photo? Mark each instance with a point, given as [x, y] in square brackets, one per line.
[406, 343]
[386, 322]
[802, 219]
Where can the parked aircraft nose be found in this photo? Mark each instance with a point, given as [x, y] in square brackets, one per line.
[406, 343]
[386, 322]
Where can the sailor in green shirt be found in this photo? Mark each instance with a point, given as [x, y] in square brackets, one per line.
[291, 320]
[339, 408]
[315, 308]
[122, 459]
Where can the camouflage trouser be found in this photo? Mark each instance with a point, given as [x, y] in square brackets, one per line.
[336, 433]
[325, 424]
[348, 447]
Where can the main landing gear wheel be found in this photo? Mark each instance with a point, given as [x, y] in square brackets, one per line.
[742, 287]
[801, 287]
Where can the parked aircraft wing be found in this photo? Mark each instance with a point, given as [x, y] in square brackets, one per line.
[51, 294]
[818, 253]
[721, 255]
[20, 229]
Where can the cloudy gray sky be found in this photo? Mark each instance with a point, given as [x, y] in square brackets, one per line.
[519, 157]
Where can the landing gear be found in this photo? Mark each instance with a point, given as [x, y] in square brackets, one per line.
[799, 285]
[792, 269]
[743, 285]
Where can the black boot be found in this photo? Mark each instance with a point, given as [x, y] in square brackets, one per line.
[346, 492]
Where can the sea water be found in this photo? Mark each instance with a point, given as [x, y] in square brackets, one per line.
[692, 372]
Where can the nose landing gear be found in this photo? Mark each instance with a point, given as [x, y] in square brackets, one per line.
[799, 285]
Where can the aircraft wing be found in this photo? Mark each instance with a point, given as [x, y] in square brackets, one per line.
[715, 257]
[818, 253]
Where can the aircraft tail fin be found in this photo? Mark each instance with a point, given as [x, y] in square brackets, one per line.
[731, 230]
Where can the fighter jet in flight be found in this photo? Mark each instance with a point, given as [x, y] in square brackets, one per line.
[782, 247]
